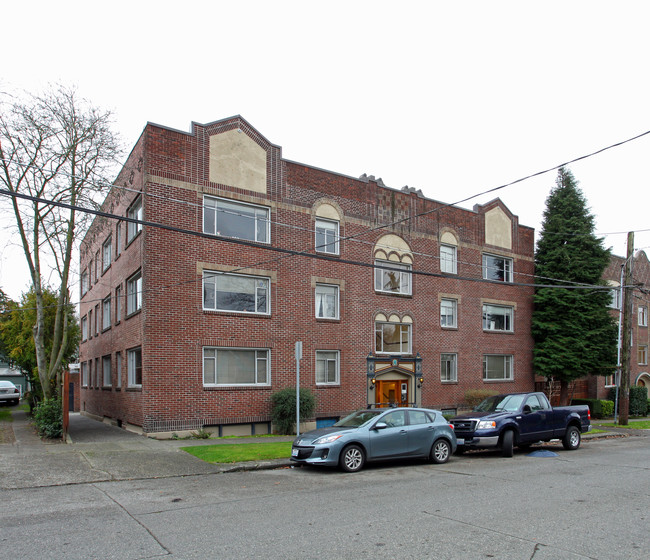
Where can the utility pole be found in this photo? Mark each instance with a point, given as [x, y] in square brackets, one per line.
[626, 339]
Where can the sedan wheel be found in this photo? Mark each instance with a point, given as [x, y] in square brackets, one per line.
[352, 458]
[440, 451]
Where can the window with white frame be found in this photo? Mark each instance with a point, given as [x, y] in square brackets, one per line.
[236, 293]
[497, 367]
[85, 283]
[448, 367]
[84, 328]
[118, 369]
[97, 320]
[392, 277]
[392, 338]
[448, 259]
[90, 323]
[106, 313]
[107, 253]
[497, 268]
[642, 354]
[327, 236]
[134, 367]
[134, 293]
[643, 315]
[84, 374]
[106, 370]
[97, 265]
[327, 301]
[228, 218]
[448, 313]
[134, 213]
[327, 367]
[118, 239]
[118, 304]
[497, 317]
[615, 298]
[236, 366]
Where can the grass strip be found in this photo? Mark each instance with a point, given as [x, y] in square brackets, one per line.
[636, 425]
[5, 415]
[238, 452]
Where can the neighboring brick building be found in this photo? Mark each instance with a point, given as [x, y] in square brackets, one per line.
[396, 298]
[598, 387]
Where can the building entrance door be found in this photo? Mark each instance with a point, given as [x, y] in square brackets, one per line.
[392, 393]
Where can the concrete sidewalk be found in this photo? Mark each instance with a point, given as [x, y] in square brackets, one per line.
[98, 452]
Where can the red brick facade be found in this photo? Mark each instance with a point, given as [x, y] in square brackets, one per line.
[170, 172]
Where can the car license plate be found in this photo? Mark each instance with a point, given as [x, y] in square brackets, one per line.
[460, 441]
[294, 452]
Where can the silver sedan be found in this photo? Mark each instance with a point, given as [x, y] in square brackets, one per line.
[377, 435]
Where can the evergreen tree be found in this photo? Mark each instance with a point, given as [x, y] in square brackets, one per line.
[574, 333]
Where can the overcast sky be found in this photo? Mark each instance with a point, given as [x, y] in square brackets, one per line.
[453, 98]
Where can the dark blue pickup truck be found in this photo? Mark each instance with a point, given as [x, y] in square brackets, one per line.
[520, 419]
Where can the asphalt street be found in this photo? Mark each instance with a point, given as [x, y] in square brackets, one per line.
[589, 503]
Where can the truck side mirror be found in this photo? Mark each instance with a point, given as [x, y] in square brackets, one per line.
[527, 409]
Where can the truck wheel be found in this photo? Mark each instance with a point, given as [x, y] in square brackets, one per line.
[440, 451]
[571, 439]
[507, 443]
[352, 458]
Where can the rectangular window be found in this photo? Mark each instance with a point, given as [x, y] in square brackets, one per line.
[84, 328]
[643, 316]
[497, 318]
[642, 353]
[107, 253]
[134, 213]
[118, 304]
[497, 368]
[90, 323]
[118, 369]
[134, 367]
[497, 268]
[448, 260]
[448, 313]
[236, 293]
[97, 320]
[327, 367]
[392, 338]
[615, 302]
[134, 294]
[230, 366]
[106, 369]
[118, 239]
[449, 367]
[97, 265]
[236, 219]
[84, 374]
[327, 301]
[106, 313]
[85, 284]
[327, 236]
[392, 277]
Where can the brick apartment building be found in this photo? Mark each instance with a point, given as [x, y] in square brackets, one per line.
[598, 387]
[396, 298]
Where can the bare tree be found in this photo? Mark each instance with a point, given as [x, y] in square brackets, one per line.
[55, 148]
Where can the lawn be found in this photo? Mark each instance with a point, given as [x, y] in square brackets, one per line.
[5, 415]
[236, 452]
[636, 425]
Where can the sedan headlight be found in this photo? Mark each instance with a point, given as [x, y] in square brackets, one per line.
[327, 439]
[486, 425]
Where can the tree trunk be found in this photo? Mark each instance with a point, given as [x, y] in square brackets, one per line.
[564, 392]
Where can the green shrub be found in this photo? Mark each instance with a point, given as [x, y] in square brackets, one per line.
[475, 396]
[48, 416]
[638, 401]
[283, 412]
[607, 408]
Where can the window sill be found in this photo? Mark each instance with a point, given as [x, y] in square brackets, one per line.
[492, 331]
[236, 387]
[236, 313]
[455, 382]
[498, 381]
[448, 328]
[324, 385]
[107, 388]
[134, 389]
[137, 312]
[328, 319]
[393, 294]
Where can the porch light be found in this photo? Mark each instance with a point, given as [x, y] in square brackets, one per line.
[420, 382]
[372, 383]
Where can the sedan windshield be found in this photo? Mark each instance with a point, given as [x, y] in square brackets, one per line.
[358, 419]
[508, 403]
